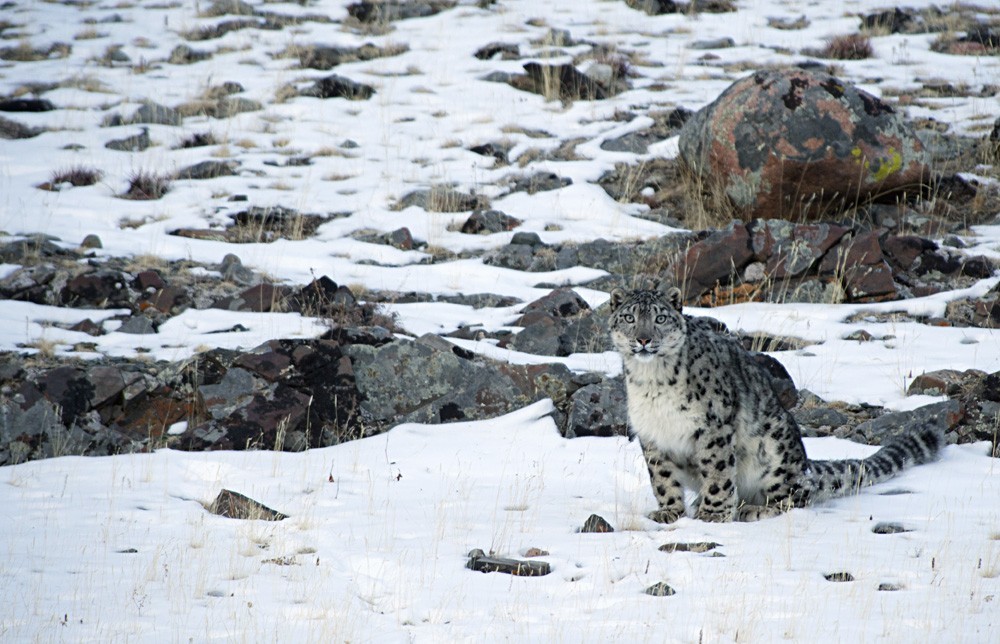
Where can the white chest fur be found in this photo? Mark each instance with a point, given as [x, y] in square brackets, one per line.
[658, 407]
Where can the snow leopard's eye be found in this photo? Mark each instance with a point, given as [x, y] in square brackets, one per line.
[629, 318]
[660, 319]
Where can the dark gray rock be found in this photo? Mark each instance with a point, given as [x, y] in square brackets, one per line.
[842, 576]
[483, 222]
[507, 51]
[516, 256]
[564, 81]
[324, 57]
[665, 125]
[792, 249]
[562, 302]
[134, 143]
[138, 325]
[99, 289]
[428, 381]
[184, 55]
[596, 523]
[540, 336]
[412, 382]
[234, 505]
[338, 87]
[481, 562]
[29, 427]
[660, 589]
[441, 199]
[155, 114]
[539, 182]
[598, 410]
[816, 417]
[498, 150]
[26, 105]
[586, 334]
[893, 21]
[944, 414]
[524, 238]
[232, 269]
[208, 170]
[233, 105]
[10, 129]
[383, 11]
[234, 392]
[696, 546]
[480, 300]
[716, 43]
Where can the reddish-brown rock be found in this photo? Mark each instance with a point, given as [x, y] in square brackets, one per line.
[787, 143]
[713, 260]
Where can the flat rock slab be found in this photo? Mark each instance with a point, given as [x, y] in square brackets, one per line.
[481, 562]
[698, 546]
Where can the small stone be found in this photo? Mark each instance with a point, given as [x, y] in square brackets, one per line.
[208, 170]
[137, 324]
[234, 505]
[526, 239]
[91, 241]
[884, 527]
[889, 586]
[335, 86]
[483, 222]
[26, 105]
[507, 51]
[134, 143]
[942, 382]
[156, 114]
[660, 589]
[595, 523]
[87, 326]
[715, 43]
[839, 576]
[698, 546]
[401, 239]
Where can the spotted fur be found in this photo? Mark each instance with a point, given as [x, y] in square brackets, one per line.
[709, 420]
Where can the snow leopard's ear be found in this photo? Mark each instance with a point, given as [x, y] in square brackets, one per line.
[617, 297]
[674, 297]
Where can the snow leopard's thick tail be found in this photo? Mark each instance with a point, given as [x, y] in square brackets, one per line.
[828, 479]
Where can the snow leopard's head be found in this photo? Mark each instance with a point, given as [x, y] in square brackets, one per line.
[647, 322]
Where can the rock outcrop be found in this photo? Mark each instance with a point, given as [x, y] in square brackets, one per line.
[792, 143]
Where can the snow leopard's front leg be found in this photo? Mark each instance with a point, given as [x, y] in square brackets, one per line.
[716, 464]
[666, 485]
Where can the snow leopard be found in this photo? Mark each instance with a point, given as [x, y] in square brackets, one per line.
[708, 419]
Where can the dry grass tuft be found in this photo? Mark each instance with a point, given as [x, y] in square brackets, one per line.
[144, 186]
[76, 176]
[848, 47]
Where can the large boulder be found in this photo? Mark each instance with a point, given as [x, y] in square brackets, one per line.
[788, 143]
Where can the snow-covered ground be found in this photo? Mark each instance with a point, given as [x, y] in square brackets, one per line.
[119, 549]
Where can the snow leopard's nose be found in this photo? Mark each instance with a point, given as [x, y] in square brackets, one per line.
[643, 340]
